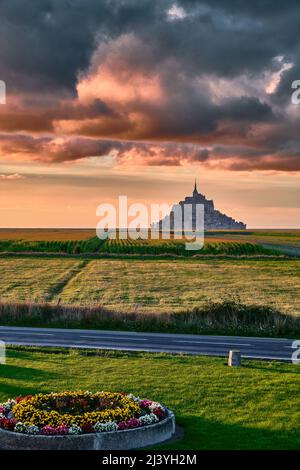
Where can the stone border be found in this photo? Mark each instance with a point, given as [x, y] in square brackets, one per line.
[118, 440]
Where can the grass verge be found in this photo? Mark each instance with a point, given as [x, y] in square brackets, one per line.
[253, 407]
[230, 317]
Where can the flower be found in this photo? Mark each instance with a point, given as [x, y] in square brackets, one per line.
[134, 398]
[8, 424]
[20, 427]
[122, 426]
[159, 412]
[105, 427]
[31, 429]
[149, 419]
[62, 429]
[74, 429]
[87, 427]
[145, 404]
[48, 430]
[133, 423]
[78, 412]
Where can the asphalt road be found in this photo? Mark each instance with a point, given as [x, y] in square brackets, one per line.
[259, 348]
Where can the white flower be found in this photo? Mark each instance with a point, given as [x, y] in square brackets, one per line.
[133, 397]
[154, 405]
[105, 427]
[149, 419]
[74, 429]
[20, 427]
[9, 404]
[31, 429]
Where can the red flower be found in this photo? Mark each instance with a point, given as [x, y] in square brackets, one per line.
[8, 424]
[122, 425]
[159, 412]
[87, 427]
[19, 398]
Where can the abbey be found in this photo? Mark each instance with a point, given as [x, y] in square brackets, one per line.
[213, 219]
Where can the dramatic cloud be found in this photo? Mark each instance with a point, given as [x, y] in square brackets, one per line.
[151, 82]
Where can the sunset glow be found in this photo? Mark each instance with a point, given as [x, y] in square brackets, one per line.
[138, 100]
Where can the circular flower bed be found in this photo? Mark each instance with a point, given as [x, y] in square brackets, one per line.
[73, 413]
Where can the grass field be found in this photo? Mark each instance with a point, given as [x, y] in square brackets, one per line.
[151, 285]
[75, 241]
[37, 234]
[94, 246]
[287, 241]
[255, 407]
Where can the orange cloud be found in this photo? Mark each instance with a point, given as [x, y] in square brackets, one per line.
[15, 176]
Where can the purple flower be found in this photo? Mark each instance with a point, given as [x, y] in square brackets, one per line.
[48, 430]
[133, 423]
[145, 403]
[122, 425]
[62, 429]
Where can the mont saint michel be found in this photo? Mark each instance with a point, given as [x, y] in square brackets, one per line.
[213, 219]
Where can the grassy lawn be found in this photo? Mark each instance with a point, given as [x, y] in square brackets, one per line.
[255, 407]
[151, 285]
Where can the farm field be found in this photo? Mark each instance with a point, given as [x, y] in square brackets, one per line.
[80, 241]
[151, 285]
[287, 241]
[85, 242]
[51, 234]
[253, 407]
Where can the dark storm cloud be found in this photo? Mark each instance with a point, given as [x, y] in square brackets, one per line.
[47, 43]
[49, 46]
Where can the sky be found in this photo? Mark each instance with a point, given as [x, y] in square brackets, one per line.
[138, 97]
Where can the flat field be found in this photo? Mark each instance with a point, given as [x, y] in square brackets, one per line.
[287, 241]
[51, 234]
[151, 285]
[253, 407]
[233, 243]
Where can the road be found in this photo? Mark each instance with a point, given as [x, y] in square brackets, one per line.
[258, 348]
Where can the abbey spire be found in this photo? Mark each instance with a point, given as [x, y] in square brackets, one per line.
[195, 192]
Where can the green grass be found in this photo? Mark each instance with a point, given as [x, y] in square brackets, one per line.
[286, 241]
[90, 245]
[255, 407]
[177, 247]
[134, 247]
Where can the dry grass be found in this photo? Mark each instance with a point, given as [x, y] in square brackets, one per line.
[160, 286]
[33, 279]
[166, 286]
[225, 318]
[46, 234]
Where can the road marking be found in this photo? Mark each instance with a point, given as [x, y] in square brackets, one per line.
[116, 338]
[215, 343]
[28, 334]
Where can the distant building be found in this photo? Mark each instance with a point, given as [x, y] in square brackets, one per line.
[213, 219]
